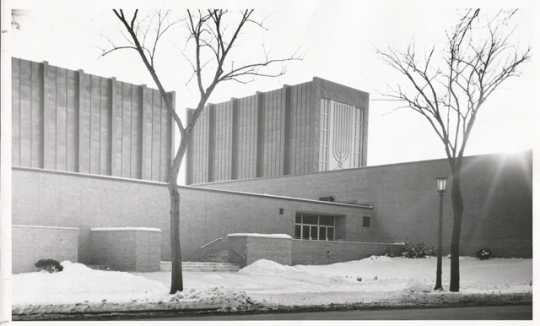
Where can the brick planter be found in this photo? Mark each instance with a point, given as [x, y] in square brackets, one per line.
[127, 248]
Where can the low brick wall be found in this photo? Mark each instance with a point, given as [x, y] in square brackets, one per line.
[127, 249]
[32, 243]
[254, 247]
[326, 252]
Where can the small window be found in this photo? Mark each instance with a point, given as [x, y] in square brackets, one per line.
[297, 232]
[366, 221]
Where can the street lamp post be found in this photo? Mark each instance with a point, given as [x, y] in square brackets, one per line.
[441, 188]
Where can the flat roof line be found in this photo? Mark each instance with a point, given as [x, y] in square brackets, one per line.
[289, 198]
[486, 155]
[206, 189]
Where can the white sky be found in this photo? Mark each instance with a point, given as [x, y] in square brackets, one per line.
[337, 39]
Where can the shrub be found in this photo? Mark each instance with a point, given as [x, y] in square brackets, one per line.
[417, 250]
[484, 253]
[49, 265]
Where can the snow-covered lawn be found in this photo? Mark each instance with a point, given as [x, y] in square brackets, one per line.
[370, 280]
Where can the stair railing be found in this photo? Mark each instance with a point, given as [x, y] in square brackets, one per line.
[198, 253]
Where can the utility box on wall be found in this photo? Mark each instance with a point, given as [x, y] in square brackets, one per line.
[126, 248]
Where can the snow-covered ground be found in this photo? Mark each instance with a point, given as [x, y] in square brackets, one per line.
[370, 280]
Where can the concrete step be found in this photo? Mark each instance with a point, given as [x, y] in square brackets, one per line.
[196, 266]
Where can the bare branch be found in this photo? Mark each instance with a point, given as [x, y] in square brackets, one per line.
[450, 95]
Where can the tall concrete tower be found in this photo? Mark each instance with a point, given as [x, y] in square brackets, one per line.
[315, 126]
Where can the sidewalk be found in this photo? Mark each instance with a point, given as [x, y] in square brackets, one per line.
[118, 312]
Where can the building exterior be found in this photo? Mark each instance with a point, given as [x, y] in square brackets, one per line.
[91, 155]
[68, 120]
[497, 193]
[300, 129]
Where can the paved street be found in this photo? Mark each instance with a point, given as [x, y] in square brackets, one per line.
[515, 312]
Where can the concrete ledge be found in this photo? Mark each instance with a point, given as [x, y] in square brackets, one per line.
[34, 242]
[313, 252]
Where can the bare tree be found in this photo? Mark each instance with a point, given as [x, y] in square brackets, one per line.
[449, 87]
[213, 34]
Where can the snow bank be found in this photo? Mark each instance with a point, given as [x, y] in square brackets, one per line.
[265, 266]
[226, 299]
[78, 283]
[373, 280]
[81, 289]
[261, 235]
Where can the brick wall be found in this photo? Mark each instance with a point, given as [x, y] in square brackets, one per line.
[253, 248]
[32, 243]
[83, 201]
[308, 252]
[497, 190]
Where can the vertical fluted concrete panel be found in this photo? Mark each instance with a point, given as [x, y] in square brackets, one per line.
[287, 90]
[261, 117]
[16, 112]
[71, 121]
[222, 165]
[104, 126]
[26, 113]
[234, 141]
[297, 128]
[61, 120]
[135, 135]
[49, 114]
[147, 134]
[116, 132]
[211, 141]
[365, 121]
[95, 124]
[200, 148]
[36, 116]
[84, 123]
[316, 124]
[189, 151]
[157, 131]
[274, 108]
[127, 91]
[156, 134]
[247, 137]
[301, 159]
[165, 140]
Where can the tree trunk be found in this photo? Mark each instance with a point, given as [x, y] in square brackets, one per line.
[457, 206]
[176, 257]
